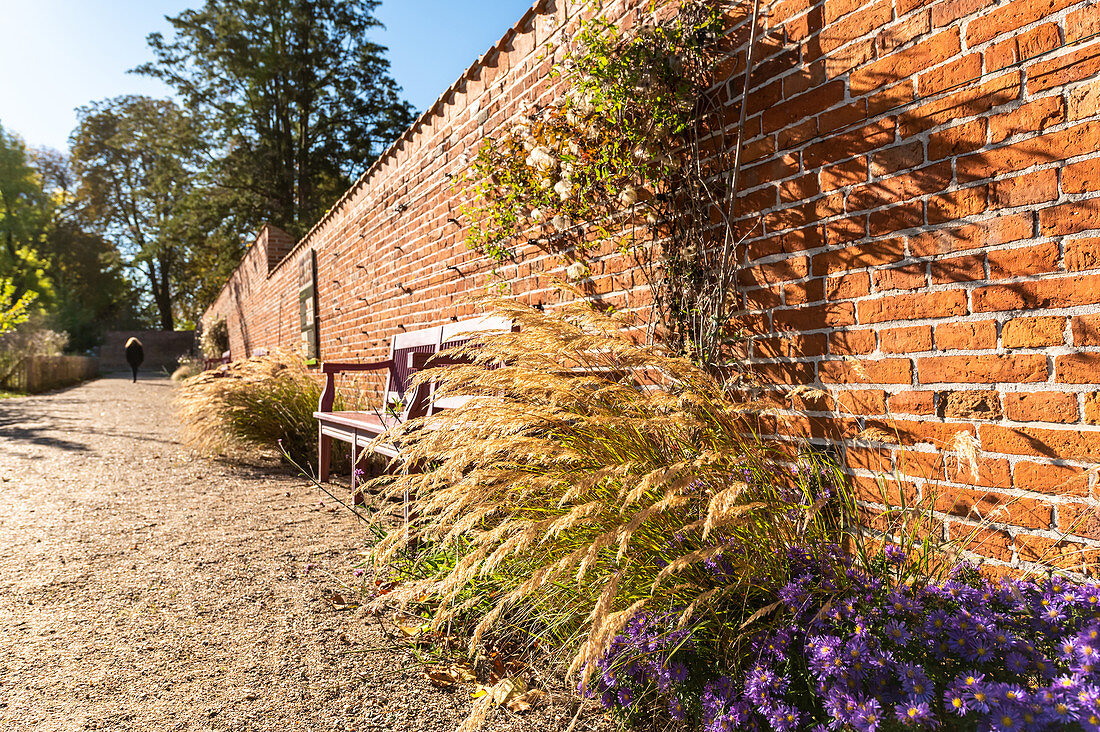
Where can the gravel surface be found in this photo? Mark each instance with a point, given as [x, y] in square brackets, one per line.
[145, 588]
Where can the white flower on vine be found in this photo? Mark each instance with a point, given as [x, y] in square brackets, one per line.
[564, 189]
[577, 271]
[541, 158]
[573, 148]
[536, 214]
[629, 196]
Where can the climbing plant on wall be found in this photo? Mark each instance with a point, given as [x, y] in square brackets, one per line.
[629, 153]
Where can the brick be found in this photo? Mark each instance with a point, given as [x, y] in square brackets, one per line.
[1082, 254]
[816, 317]
[967, 102]
[849, 286]
[986, 506]
[910, 184]
[967, 268]
[1082, 177]
[797, 109]
[867, 458]
[1079, 519]
[904, 31]
[1041, 406]
[836, 147]
[1060, 71]
[851, 342]
[871, 254]
[958, 140]
[929, 52]
[1085, 329]
[971, 404]
[984, 369]
[1083, 101]
[1050, 292]
[955, 73]
[800, 293]
[986, 542]
[948, 11]
[1000, 230]
[896, 218]
[1024, 190]
[1008, 18]
[869, 371]
[1060, 443]
[845, 230]
[799, 189]
[957, 204]
[843, 174]
[862, 401]
[912, 402]
[926, 465]
[1077, 368]
[912, 307]
[1027, 118]
[847, 58]
[1022, 46]
[1082, 22]
[1033, 332]
[891, 98]
[1077, 140]
[870, 17]
[791, 268]
[896, 159]
[966, 336]
[1061, 554]
[1052, 479]
[906, 277]
[905, 340]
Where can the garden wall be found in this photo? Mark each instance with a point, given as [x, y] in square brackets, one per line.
[920, 204]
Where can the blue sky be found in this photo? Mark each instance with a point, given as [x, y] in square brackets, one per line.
[57, 55]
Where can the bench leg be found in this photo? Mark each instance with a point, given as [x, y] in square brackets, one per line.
[324, 456]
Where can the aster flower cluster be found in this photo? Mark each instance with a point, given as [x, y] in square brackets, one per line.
[856, 650]
[647, 663]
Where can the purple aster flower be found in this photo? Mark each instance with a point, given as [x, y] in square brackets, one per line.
[913, 712]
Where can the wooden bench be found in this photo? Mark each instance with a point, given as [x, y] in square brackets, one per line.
[409, 352]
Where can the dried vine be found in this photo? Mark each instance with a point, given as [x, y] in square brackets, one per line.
[633, 152]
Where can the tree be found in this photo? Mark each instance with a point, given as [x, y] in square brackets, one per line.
[137, 160]
[25, 211]
[296, 98]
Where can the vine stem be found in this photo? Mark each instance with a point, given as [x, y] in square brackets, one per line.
[736, 179]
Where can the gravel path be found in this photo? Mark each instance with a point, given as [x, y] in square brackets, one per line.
[144, 588]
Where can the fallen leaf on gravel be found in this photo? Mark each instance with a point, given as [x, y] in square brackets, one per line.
[447, 677]
[526, 701]
[502, 692]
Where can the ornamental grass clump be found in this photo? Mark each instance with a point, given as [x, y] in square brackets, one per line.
[587, 479]
[260, 402]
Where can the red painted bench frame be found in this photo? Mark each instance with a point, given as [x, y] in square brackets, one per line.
[409, 352]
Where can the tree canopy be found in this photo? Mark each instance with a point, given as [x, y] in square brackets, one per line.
[295, 98]
[137, 160]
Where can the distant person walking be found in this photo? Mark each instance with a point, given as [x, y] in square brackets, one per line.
[135, 354]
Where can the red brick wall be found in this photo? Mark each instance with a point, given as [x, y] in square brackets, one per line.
[920, 185]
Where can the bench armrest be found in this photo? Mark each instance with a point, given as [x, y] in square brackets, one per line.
[328, 396]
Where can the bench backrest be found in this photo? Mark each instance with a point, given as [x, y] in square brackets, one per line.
[430, 341]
